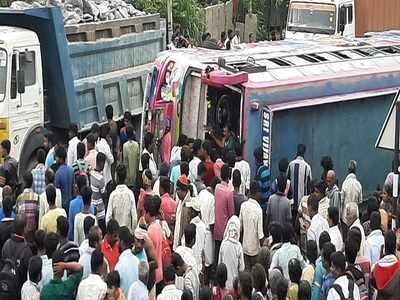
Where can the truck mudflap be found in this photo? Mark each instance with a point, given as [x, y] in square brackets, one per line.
[219, 78]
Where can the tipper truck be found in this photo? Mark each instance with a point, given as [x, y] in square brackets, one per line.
[308, 18]
[51, 76]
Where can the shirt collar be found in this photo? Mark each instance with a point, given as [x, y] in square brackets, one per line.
[121, 187]
[300, 158]
[126, 252]
[351, 176]
[35, 285]
[28, 190]
[376, 232]
[253, 201]
[170, 287]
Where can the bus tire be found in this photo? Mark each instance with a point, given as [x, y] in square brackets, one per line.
[28, 154]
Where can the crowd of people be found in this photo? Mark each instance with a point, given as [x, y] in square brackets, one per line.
[98, 219]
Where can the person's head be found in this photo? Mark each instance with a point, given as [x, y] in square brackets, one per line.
[326, 163]
[88, 223]
[95, 130]
[57, 258]
[169, 275]
[81, 182]
[245, 285]
[148, 140]
[375, 221]
[254, 190]
[282, 288]
[236, 179]
[312, 204]
[51, 195]
[28, 180]
[352, 213]
[60, 155]
[223, 36]
[304, 291]
[333, 216]
[125, 239]
[330, 178]
[39, 240]
[312, 251]
[144, 272]
[196, 147]
[258, 156]
[187, 295]
[152, 208]
[214, 183]
[372, 205]
[182, 187]
[387, 193]
[130, 133]
[205, 294]
[275, 229]
[324, 238]
[86, 194]
[320, 189]
[5, 148]
[112, 231]
[184, 168]
[120, 170]
[206, 149]
[165, 185]
[225, 173]
[19, 224]
[327, 250]
[351, 248]
[352, 167]
[190, 235]
[354, 234]
[94, 237]
[100, 161]
[50, 243]
[73, 130]
[41, 156]
[287, 233]
[8, 206]
[201, 170]
[147, 179]
[230, 158]
[7, 192]
[49, 176]
[283, 165]
[178, 263]
[390, 243]
[35, 269]
[338, 264]
[264, 258]
[113, 281]
[282, 182]
[62, 226]
[164, 169]
[97, 263]
[295, 270]
[80, 150]
[301, 150]
[221, 275]
[90, 141]
[109, 112]
[259, 278]
[252, 39]
[127, 118]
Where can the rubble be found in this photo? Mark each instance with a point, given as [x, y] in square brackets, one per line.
[82, 11]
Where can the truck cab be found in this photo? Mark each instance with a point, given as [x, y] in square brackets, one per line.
[313, 18]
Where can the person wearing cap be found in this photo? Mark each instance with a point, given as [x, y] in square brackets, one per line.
[351, 189]
[182, 214]
[199, 245]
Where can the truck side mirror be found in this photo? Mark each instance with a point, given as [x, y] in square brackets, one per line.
[342, 19]
[21, 81]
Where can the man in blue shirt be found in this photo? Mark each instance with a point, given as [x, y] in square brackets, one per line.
[263, 177]
[64, 177]
[329, 278]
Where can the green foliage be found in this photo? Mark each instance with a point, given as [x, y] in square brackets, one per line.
[5, 3]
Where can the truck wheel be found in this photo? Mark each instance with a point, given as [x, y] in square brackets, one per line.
[28, 154]
[223, 111]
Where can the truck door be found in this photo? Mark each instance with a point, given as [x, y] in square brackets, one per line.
[26, 104]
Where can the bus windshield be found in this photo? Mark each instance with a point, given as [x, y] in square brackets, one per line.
[312, 17]
[3, 73]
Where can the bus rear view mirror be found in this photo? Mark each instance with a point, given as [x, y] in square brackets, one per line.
[21, 81]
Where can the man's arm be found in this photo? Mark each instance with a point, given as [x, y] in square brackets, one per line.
[260, 228]
[133, 213]
[109, 209]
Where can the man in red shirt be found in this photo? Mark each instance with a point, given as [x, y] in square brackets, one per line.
[168, 205]
[205, 157]
[110, 245]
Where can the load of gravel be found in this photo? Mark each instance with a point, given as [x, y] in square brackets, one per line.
[82, 11]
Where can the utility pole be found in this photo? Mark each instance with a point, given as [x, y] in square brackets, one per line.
[170, 27]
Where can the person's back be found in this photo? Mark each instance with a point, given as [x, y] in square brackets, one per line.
[130, 154]
[28, 203]
[279, 209]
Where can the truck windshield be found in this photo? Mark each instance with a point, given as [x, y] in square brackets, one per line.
[3, 73]
[312, 17]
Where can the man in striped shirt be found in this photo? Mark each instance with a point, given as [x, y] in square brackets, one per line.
[299, 173]
[97, 183]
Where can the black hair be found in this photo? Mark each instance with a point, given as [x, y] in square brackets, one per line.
[93, 235]
[145, 160]
[81, 181]
[88, 223]
[35, 269]
[304, 291]
[282, 288]
[190, 234]
[333, 214]
[230, 158]
[86, 194]
[254, 188]
[324, 237]
[169, 274]
[100, 158]
[187, 295]
[125, 236]
[236, 178]
[80, 150]
[130, 133]
[321, 187]
[313, 201]
[338, 260]
[19, 224]
[205, 294]
[49, 176]
[221, 275]
[90, 139]
[301, 149]
[184, 168]
[201, 169]
[390, 242]
[177, 260]
[152, 205]
[327, 163]
[259, 278]
[214, 155]
[95, 128]
[375, 220]
[109, 111]
[62, 226]
[148, 139]
[165, 184]
[275, 229]
[121, 173]
[295, 270]
[51, 194]
[282, 182]
[351, 249]
[40, 235]
[164, 169]
[214, 182]
[8, 204]
[182, 140]
[312, 251]
[355, 234]
[112, 227]
[73, 128]
[41, 156]
[61, 153]
[28, 180]
[246, 284]
[128, 116]
[96, 260]
[113, 280]
[258, 155]
[225, 173]
[196, 147]
[287, 233]
[327, 250]
[50, 243]
[6, 145]
[283, 165]
[51, 138]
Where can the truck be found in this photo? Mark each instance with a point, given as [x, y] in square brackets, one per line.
[331, 96]
[51, 76]
[308, 18]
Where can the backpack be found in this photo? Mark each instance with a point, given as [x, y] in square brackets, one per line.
[357, 276]
[9, 287]
[339, 290]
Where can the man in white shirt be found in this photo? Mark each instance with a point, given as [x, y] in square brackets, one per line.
[199, 245]
[73, 142]
[375, 241]
[138, 289]
[195, 160]
[190, 276]
[235, 40]
[43, 204]
[30, 289]
[103, 147]
[244, 168]
[186, 249]
[121, 204]
[251, 223]
[95, 239]
[334, 232]
[169, 292]
[318, 223]
[93, 287]
[351, 189]
[352, 220]
[342, 288]
[148, 144]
